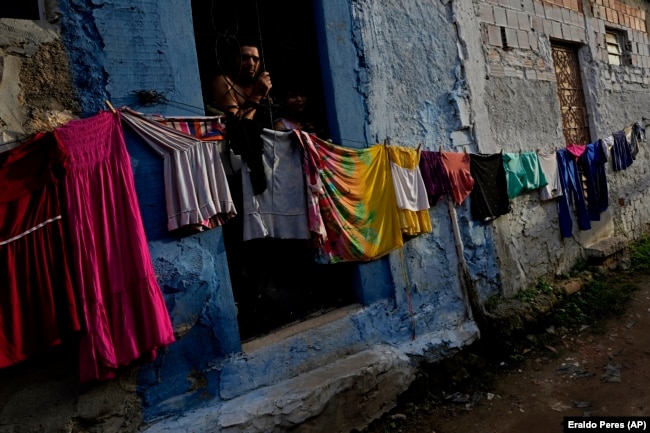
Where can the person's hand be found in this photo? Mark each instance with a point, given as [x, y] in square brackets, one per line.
[262, 85]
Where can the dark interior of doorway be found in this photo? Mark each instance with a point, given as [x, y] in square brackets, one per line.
[275, 281]
[286, 35]
[25, 10]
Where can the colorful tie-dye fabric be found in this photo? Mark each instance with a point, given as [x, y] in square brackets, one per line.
[357, 204]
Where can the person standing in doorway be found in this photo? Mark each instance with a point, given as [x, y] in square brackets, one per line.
[238, 92]
[241, 88]
[293, 111]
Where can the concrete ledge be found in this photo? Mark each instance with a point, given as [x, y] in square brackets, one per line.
[297, 328]
[608, 254]
[341, 396]
[606, 247]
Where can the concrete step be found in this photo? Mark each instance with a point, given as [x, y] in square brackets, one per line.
[608, 254]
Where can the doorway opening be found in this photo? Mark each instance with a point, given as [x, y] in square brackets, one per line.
[275, 282]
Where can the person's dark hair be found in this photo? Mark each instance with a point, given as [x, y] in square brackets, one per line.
[228, 51]
[251, 43]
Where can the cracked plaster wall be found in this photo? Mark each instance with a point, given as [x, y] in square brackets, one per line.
[524, 114]
[413, 69]
[35, 84]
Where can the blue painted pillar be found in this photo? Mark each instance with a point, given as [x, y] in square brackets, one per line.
[339, 61]
[346, 111]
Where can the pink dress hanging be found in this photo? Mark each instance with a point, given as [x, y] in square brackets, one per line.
[123, 306]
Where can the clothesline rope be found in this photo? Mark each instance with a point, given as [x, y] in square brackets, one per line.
[420, 145]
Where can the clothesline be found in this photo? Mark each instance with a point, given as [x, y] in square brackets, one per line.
[463, 175]
[483, 177]
[387, 139]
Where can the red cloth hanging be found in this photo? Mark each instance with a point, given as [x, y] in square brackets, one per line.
[37, 300]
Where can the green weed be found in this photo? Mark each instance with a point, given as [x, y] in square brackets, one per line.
[530, 294]
[640, 254]
[595, 302]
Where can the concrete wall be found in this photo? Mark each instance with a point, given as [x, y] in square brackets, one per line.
[430, 74]
[622, 94]
[35, 86]
[524, 114]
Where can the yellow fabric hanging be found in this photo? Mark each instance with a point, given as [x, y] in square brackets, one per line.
[412, 222]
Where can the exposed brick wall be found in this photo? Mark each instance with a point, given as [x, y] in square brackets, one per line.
[574, 5]
[632, 21]
[523, 22]
[514, 30]
[614, 11]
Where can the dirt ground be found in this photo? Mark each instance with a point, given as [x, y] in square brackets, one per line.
[596, 370]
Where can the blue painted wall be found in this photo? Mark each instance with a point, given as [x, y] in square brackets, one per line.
[340, 63]
[118, 48]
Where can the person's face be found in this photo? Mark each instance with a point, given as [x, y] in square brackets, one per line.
[249, 61]
[296, 101]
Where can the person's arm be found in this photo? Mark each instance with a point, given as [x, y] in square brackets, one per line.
[260, 89]
[223, 94]
[278, 125]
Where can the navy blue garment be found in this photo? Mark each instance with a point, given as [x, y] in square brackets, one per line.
[621, 153]
[572, 188]
[592, 164]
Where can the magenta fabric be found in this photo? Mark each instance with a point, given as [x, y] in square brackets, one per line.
[576, 149]
[123, 307]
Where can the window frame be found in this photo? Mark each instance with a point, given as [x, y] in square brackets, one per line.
[617, 46]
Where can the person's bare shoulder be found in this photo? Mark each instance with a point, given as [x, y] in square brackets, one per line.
[223, 93]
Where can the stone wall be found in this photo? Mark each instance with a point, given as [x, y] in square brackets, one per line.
[35, 84]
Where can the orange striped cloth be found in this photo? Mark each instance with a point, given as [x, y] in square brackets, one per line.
[207, 128]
